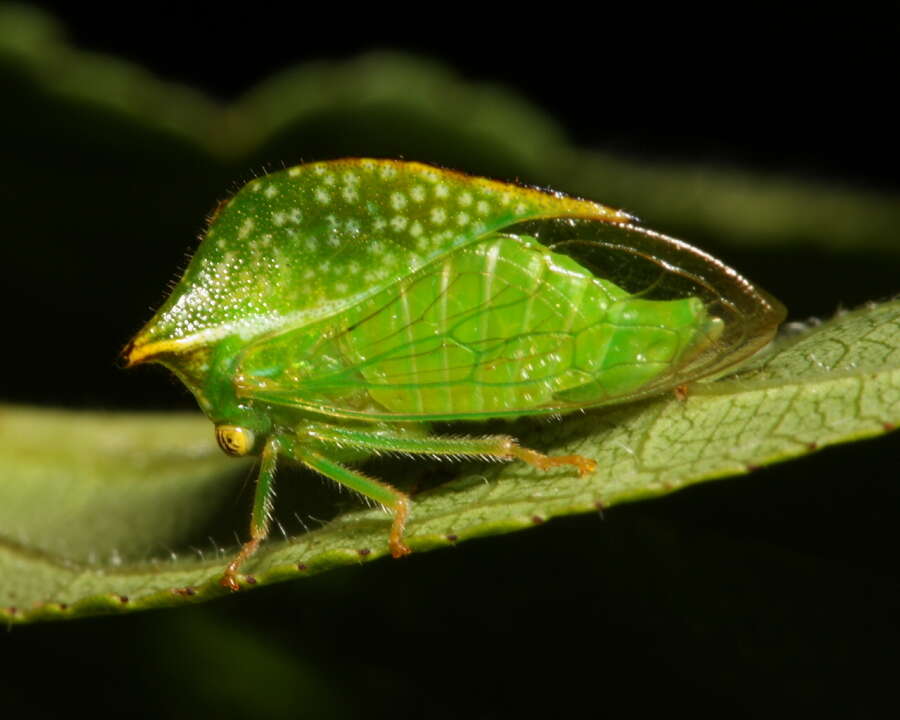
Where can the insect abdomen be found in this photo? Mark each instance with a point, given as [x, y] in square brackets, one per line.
[508, 326]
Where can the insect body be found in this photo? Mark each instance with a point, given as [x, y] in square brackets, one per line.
[334, 310]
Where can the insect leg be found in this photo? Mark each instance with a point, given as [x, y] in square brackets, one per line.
[261, 514]
[500, 447]
[380, 492]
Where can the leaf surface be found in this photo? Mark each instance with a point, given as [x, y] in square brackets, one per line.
[129, 485]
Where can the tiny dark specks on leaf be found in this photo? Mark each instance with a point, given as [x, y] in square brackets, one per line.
[537, 519]
[123, 599]
[453, 538]
[889, 426]
[363, 552]
[751, 467]
[811, 446]
[251, 580]
[185, 591]
[301, 567]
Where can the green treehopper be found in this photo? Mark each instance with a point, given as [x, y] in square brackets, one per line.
[334, 310]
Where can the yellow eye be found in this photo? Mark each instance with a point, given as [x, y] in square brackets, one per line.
[235, 440]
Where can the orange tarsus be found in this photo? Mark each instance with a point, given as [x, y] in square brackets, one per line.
[230, 582]
[229, 579]
[395, 543]
[681, 392]
[584, 465]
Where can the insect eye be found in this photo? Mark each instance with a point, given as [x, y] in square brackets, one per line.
[235, 440]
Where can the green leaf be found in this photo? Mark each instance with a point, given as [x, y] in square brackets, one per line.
[130, 483]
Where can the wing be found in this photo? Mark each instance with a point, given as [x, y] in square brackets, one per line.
[559, 316]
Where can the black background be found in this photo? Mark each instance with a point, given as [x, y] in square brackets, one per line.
[813, 96]
[773, 591]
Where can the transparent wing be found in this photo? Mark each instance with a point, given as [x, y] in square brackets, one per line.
[563, 314]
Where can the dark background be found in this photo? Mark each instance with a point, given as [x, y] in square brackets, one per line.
[773, 591]
[812, 96]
